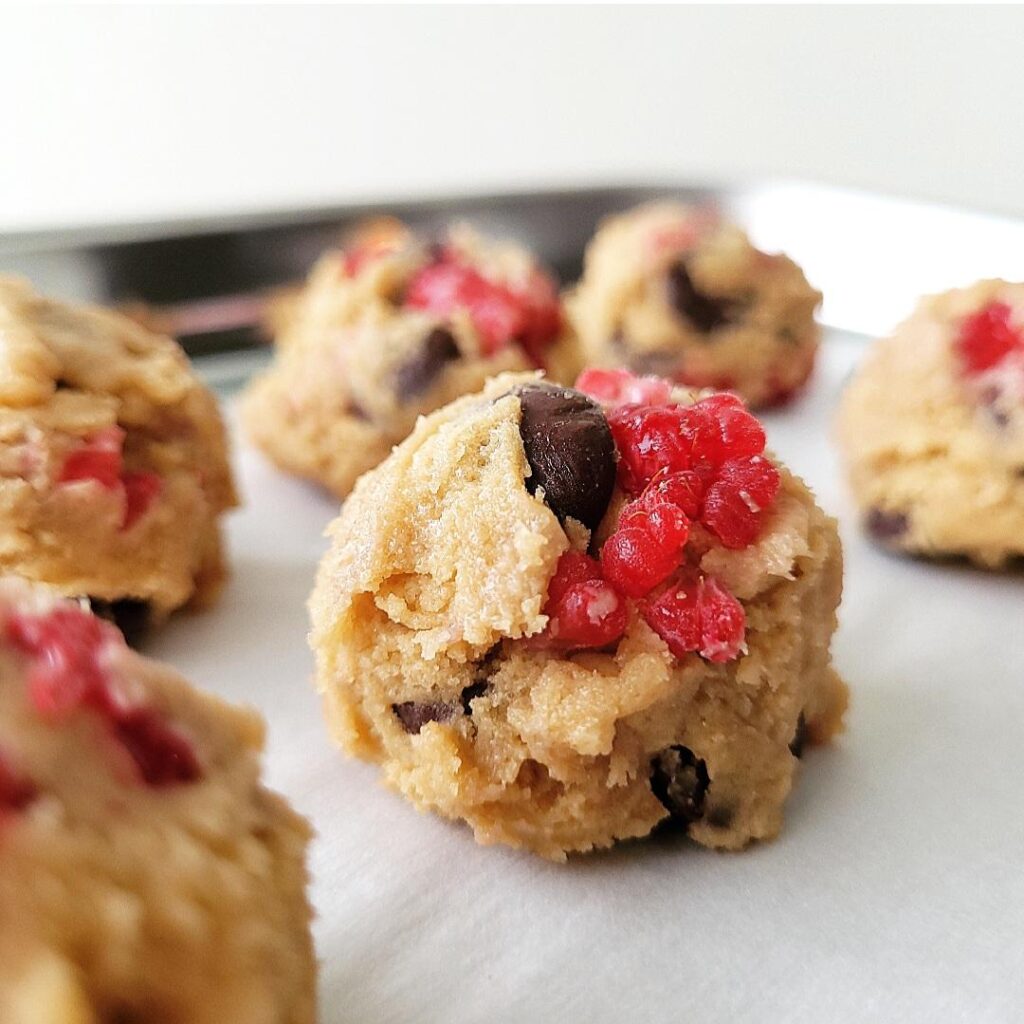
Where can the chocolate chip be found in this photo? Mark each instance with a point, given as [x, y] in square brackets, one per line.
[470, 694]
[885, 525]
[416, 374]
[414, 715]
[570, 450]
[705, 312]
[679, 779]
[799, 740]
[130, 614]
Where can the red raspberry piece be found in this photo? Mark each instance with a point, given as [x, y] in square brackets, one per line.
[647, 545]
[620, 387]
[67, 645]
[584, 610]
[164, 757]
[987, 337]
[501, 315]
[702, 617]
[684, 489]
[649, 439]
[16, 791]
[673, 438]
[720, 428]
[98, 458]
[140, 491]
[635, 562]
[573, 567]
[736, 502]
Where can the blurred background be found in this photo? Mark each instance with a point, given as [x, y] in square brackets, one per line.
[120, 114]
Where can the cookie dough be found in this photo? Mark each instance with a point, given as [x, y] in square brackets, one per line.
[145, 872]
[568, 620]
[113, 463]
[674, 290]
[388, 329]
[932, 428]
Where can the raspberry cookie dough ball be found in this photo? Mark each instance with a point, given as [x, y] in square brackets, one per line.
[568, 622]
[389, 329]
[145, 872]
[932, 428]
[113, 465]
[673, 290]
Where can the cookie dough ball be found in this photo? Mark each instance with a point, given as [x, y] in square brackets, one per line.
[113, 463]
[568, 622]
[932, 428]
[145, 872]
[389, 329]
[673, 290]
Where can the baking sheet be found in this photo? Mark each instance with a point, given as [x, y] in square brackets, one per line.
[895, 893]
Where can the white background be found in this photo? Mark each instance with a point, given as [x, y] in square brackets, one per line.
[120, 114]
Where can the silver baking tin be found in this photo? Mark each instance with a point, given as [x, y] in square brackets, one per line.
[871, 255]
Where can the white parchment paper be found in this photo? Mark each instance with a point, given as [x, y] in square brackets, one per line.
[895, 893]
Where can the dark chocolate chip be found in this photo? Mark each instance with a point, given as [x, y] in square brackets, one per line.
[679, 779]
[705, 312]
[470, 694]
[60, 384]
[130, 614]
[799, 740]
[570, 450]
[417, 373]
[414, 715]
[885, 525]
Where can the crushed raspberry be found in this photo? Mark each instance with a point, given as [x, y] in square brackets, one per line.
[68, 673]
[647, 545]
[670, 438]
[584, 610]
[702, 617]
[649, 438]
[140, 491]
[684, 489]
[16, 791]
[683, 464]
[735, 504]
[530, 317]
[164, 757]
[100, 458]
[720, 428]
[620, 387]
[66, 644]
[987, 337]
